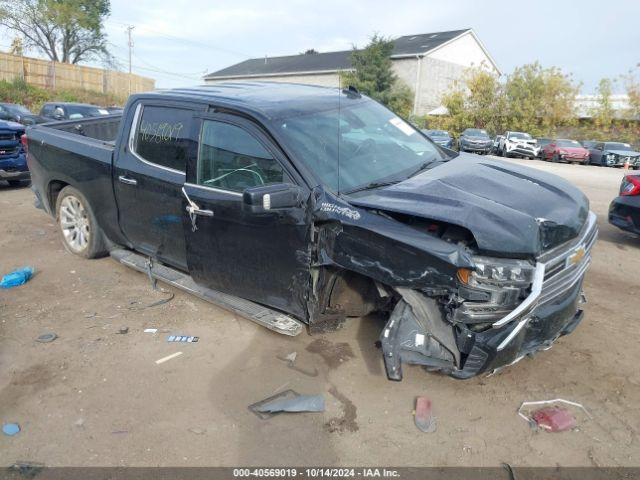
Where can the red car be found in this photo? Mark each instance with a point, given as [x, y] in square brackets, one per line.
[561, 150]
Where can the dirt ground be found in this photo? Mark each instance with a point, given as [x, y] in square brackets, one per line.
[95, 397]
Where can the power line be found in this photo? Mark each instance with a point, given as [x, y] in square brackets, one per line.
[182, 39]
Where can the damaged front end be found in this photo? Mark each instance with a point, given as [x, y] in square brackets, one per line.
[501, 311]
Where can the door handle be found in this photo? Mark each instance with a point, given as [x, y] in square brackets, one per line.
[127, 180]
[197, 211]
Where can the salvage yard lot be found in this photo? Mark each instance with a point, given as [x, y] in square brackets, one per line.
[97, 397]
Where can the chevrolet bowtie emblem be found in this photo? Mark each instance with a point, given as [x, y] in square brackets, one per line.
[576, 257]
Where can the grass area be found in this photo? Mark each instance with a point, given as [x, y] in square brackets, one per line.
[18, 91]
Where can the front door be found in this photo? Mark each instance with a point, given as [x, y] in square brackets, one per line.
[149, 175]
[263, 257]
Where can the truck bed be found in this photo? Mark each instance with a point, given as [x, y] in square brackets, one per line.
[76, 152]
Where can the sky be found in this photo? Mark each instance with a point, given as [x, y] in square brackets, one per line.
[177, 41]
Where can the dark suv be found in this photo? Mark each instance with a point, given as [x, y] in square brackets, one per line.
[71, 111]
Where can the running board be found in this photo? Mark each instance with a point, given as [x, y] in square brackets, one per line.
[273, 320]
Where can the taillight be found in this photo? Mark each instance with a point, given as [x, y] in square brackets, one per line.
[630, 185]
[23, 141]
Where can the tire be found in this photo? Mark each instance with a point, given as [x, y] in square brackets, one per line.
[555, 158]
[15, 183]
[79, 229]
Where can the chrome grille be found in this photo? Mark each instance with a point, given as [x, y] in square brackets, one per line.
[565, 265]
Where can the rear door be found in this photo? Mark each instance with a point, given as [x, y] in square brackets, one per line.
[263, 257]
[149, 175]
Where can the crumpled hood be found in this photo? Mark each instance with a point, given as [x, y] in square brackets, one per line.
[509, 209]
[624, 153]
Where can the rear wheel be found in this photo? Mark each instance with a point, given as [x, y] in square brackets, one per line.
[79, 229]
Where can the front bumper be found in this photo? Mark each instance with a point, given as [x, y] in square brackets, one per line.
[624, 213]
[551, 309]
[470, 147]
[522, 149]
[620, 161]
[14, 168]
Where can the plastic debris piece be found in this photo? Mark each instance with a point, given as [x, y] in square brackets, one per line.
[168, 357]
[182, 338]
[123, 330]
[423, 416]
[291, 358]
[299, 403]
[558, 419]
[150, 330]
[17, 277]
[10, 429]
[554, 419]
[47, 337]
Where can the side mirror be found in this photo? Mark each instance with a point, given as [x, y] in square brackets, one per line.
[271, 197]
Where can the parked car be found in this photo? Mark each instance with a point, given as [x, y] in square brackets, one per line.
[475, 140]
[542, 142]
[588, 144]
[614, 154]
[495, 148]
[624, 211]
[249, 196]
[13, 112]
[563, 150]
[13, 164]
[518, 144]
[71, 111]
[440, 137]
[114, 110]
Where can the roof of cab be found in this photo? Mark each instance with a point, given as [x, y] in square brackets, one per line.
[272, 99]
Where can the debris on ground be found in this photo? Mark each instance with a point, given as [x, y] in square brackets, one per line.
[198, 431]
[123, 330]
[287, 401]
[18, 277]
[168, 357]
[290, 360]
[27, 469]
[10, 429]
[46, 337]
[136, 305]
[423, 415]
[182, 338]
[150, 330]
[552, 418]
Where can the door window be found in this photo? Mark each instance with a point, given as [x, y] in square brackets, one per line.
[232, 159]
[163, 136]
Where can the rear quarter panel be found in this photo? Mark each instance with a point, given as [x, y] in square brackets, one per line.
[82, 162]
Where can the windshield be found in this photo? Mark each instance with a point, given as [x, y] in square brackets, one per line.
[569, 144]
[436, 133]
[520, 135]
[475, 132]
[618, 146]
[80, 112]
[371, 145]
[18, 109]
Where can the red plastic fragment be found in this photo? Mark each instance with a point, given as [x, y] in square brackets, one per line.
[424, 418]
[554, 419]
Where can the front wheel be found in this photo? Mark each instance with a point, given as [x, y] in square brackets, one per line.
[79, 229]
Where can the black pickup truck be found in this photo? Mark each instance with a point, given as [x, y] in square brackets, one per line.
[304, 206]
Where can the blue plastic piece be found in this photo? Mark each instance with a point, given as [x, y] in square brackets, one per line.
[17, 277]
[10, 429]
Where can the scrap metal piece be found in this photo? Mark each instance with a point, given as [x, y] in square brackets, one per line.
[285, 394]
[300, 403]
[423, 415]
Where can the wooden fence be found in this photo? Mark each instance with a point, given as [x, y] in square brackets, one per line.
[54, 75]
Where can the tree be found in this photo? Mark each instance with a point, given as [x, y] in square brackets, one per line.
[311, 51]
[373, 75]
[69, 31]
[602, 113]
[539, 100]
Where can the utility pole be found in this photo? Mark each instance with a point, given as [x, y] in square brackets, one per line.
[130, 44]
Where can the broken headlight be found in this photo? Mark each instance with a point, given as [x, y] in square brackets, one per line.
[497, 271]
[492, 290]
